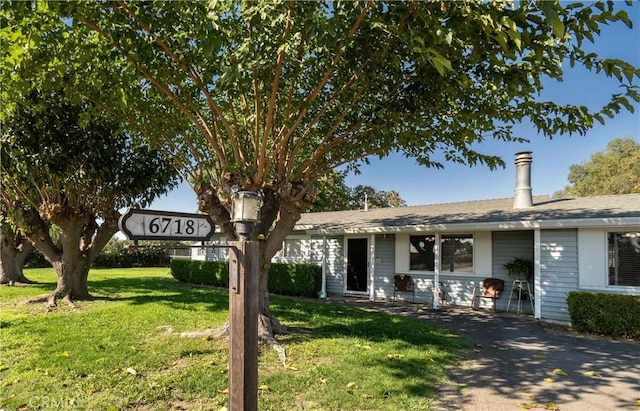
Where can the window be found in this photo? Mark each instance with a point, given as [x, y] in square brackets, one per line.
[624, 258]
[421, 255]
[292, 248]
[457, 253]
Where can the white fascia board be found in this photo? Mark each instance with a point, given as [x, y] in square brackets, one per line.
[496, 226]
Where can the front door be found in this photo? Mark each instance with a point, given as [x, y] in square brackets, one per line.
[357, 265]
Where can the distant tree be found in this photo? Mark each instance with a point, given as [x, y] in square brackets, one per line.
[63, 167]
[615, 170]
[334, 195]
[375, 199]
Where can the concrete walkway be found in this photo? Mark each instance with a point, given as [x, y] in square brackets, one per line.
[520, 364]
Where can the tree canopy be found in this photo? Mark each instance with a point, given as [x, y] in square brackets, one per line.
[62, 166]
[334, 195]
[270, 96]
[615, 170]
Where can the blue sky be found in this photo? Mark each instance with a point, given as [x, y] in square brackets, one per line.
[551, 157]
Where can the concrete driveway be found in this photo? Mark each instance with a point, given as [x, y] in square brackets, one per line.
[520, 364]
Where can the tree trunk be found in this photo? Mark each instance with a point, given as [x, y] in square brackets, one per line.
[72, 281]
[82, 240]
[13, 254]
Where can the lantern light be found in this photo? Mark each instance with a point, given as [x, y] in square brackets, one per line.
[246, 206]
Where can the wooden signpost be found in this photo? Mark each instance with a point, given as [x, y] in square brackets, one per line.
[243, 291]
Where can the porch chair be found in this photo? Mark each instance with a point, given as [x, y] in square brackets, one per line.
[402, 283]
[491, 288]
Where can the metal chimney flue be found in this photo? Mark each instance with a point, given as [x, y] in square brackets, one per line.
[522, 197]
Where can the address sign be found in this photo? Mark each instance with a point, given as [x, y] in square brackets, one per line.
[166, 225]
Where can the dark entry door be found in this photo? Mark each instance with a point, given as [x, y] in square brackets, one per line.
[357, 265]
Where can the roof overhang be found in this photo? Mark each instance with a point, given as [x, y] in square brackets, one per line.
[610, 222]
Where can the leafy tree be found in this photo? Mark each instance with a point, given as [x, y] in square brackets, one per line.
[374, 199]
[61, 167]
[615, 170]
[271, 96]
[334, 195]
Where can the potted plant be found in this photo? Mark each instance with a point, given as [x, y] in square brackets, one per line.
[519, 269]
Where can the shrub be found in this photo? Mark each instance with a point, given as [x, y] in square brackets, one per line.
[614, 315]
[214, 273]
[303, 280]
[122, 254]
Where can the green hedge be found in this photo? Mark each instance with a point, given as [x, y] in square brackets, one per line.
[303, 280]
[614, 315]
[214, 273]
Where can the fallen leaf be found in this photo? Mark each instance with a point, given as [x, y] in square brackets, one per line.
[351, 384]
[10, 382]
[225, 391]
[290, 367]
[263, 387]
[540, 356]
[591, 373]
[395, 356]
[420, 310]
[366, 396]
[366, 347]
[548, 379]
[527, 394]
[323, 380]
[558, 371]
[131, 371]
[637, 404]
[64, 354]
[551, 406]
[527, 406]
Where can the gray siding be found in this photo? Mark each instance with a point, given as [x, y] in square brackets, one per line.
[334, 260]
[506, 245]
[559, 272]
[316, 253]
[458, 290]
[385, 263]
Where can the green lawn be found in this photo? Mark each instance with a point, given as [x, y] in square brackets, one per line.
[114, 352]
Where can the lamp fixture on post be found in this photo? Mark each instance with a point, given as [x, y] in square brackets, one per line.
[246, 207]
[244, 274]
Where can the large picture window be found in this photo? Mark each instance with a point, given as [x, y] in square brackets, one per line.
[624, 258]
[421, 256]
[457, 253]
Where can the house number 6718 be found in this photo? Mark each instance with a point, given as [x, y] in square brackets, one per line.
[167, 225]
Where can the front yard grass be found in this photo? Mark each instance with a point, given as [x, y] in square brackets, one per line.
[122, 351]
